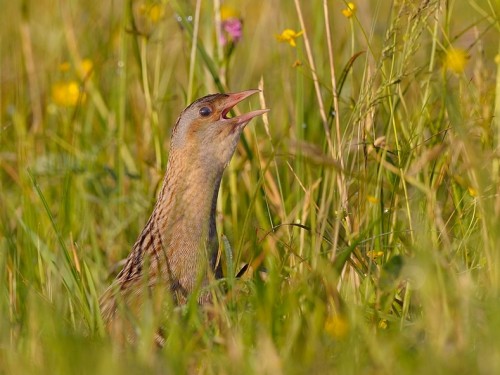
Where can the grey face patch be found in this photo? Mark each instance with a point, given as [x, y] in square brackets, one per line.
[199, 102]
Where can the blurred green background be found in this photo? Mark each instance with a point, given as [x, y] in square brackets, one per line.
[367, 201]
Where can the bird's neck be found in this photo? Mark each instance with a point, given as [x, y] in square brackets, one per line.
[191, 185]
[188, 201]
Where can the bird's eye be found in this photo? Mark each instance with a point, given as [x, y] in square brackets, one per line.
[205, 111]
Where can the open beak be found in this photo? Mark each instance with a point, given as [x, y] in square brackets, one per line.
[234, 99]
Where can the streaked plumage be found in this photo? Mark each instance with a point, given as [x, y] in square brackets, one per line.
[177, 249]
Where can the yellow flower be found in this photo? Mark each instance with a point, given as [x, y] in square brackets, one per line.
[154, 12]
[289, 36]
[372, 199]
[86, 67]
[374, 254]
[67, 94]
[456, 60]
[350, 10]
[227, 13]
[472, 191]
[382, 324]
[337, 326]
[83, 70]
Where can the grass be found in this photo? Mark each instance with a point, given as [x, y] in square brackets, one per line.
[367, 201]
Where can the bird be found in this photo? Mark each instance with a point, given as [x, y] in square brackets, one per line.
[177, 251]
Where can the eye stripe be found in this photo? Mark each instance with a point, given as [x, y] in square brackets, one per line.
[205, 111]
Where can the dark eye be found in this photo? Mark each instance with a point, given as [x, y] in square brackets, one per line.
[205, 111]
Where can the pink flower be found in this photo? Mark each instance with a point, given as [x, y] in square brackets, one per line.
[231, 30]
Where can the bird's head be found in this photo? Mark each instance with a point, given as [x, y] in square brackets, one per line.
[204, 132]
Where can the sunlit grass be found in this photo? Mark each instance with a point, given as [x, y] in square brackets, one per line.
[366, 202]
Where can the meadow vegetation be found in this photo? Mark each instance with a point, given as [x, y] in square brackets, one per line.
[366, 202]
